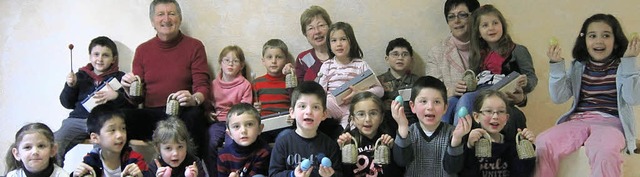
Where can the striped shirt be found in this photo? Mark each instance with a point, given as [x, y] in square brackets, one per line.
[333, 74]
[272, 93]
[598, 91]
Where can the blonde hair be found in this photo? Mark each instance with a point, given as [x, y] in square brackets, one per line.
[172, 130]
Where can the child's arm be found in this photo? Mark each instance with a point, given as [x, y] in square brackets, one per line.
[69, 94]
[247, 94]
[523, 167]
[453, 160]
[560, 87]
[402, 151]
[629, 73]
[277, 163]
[261, 161]
[523, 59]
[376, 89]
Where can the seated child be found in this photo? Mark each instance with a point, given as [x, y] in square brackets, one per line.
[367, 116]
[112, 157]
[173, 142]
[421, 146]
[33, 141]
[103, 65]
[490, 112]
[398, 77]
[308, 102]
[246, 155]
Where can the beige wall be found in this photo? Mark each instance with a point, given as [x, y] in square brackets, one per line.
[34, 35]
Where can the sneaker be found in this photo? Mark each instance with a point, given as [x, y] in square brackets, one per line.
[469, 78]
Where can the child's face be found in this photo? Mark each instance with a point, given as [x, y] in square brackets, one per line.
[399, 59]
[490, 28]
[101, 58]
[113, 135]
[367, 117]
[317, 31]
[457, 25]
[340, 45]
[600, 41]
[244, 129]
[231, 65]
[34, 151]
[308, 112]
[166, 20]
[429, 106]
[173, 153]
[493, 114]
[274, 60]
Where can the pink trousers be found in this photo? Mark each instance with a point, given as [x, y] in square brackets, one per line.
[601, 136]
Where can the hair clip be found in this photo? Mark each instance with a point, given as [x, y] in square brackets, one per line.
[581, 34]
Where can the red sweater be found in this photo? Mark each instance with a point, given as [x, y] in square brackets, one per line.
[272, 93]
[167, 67]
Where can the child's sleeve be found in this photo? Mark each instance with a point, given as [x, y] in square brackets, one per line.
[525, 63]
[222, 168]
[137, 158]
[261, 165]
[277, 163]
[630, 76]
[336, 158]
[402, 150]
[121, 101]
[377, 88]
[69, 95]
[454, 157]
[247, 94]
[560, 87]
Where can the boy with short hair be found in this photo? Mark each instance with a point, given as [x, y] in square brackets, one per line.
[421, 146]
[113, 157]
[246, 155]
[308, 109]
[398, 77]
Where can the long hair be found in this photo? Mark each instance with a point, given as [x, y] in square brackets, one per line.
[366, 96]
[354, 51]
[239, 54]
[580, 51]
[40, 128]
[479, 46]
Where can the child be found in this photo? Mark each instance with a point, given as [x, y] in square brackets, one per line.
[601, 117]
[230, 88]
[33, 153]
[246, 155]
[112, 156]
[368, 117]
[398, 77]
[305, 142]
[421, 146]
[490, 112]
[103, 57]
[493, 55]
[271, 91]
[344, 64]
[173, 142]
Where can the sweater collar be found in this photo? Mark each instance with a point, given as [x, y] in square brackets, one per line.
[98, 78]
[235, 82]
[462, 46]
[44, 173]
[170, 43]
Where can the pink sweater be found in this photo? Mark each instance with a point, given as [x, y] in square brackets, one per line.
[227, 94]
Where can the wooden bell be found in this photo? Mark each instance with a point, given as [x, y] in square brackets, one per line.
[483, 146]
[524, 147]
[381, 153]
[173, 106]
[291, 81]
[350, 152]
[136, 87]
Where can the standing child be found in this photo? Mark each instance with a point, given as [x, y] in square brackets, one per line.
[494, 55]
[246, 155]
[176, 148]
[344, 64]
[368, 116]
[308, 109]
[33, 153]
[603, 81]
[103, 57]
[112, 156]
[230, 88]
[421, 146]
[490, 112]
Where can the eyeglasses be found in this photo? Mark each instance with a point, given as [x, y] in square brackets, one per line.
[319, 27]
[360, 115]
[228, 61]
[500, 113]
[399, 55]
[461, 16]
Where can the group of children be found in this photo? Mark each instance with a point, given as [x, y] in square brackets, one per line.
[421, 143]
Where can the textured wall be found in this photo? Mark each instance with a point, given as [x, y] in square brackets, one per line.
[34, 35]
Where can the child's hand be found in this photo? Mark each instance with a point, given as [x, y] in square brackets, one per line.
[325, 171]
[463, 128]
[522, 80]
[105, 95]
[528, 134]
[257, 105]
[71, 79]
[288, 68]
[633, 48]
[233, 174]
[461, 88]
[354, 91]
[344, 139]
[554, 53]
[474, 136]
[299, 173]
[133, 170]
[162, 171]
[397, 112]
[517, 96]
[213, 115]
[387, 140]
[191, 170]
[82, 170]
[127, 79]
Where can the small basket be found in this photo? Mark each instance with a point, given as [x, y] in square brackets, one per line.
[350, 152]
[381, 153]
[291, 81]
[470, 79]
[136, 87]
[173, 106]
[524, 147]
[483, 146]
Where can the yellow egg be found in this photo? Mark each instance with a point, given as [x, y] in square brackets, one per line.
[634, 35]
[553, 41]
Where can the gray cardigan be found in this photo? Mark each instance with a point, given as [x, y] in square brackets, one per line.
[564, 85]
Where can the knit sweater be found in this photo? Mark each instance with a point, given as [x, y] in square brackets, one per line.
[227, 94]
[290, 149]
[447, 61]
[598, 91]
[169, 66]
[127, 156]
[249, 160]
[421, 154]
[272, 93]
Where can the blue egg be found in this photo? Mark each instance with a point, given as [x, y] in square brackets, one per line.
[326, 162]
[462, 112]
[399, 99]
[305, 164]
